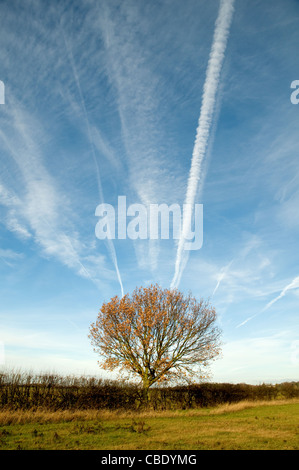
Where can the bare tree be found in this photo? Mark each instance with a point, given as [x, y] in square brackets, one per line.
[156, 334]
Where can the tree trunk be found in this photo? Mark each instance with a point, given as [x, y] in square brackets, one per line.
[145, 396]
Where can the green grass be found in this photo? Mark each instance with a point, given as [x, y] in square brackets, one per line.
[244, 426]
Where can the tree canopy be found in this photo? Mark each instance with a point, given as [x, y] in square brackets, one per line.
[157, 335]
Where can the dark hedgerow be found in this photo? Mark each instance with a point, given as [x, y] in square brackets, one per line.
[29, 391]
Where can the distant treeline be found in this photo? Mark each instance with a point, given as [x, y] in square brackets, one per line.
[27, 391]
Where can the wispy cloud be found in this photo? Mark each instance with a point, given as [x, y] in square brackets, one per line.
[36, 206]
[12, 203]
[216, 59]
[91, 131]
[41, 211]
[9, 256]
[231, 276]
[140, 95]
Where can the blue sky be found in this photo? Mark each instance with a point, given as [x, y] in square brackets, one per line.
[102, 99]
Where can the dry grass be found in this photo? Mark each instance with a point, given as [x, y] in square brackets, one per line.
[245, 404]
[8, 417]
[244, 425]
[44, 416]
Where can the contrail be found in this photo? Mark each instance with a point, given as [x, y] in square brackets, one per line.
[211, 84]
[222, 276]
[110, 244]
[293, 285]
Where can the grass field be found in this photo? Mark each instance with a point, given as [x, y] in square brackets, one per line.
[242, 426]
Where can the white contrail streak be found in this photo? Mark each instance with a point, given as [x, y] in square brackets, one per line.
[293, 285]
[216, 59]
[221, 276]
